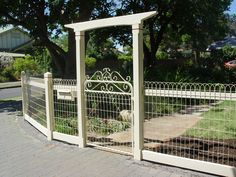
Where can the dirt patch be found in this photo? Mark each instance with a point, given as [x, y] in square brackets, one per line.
[222, 152]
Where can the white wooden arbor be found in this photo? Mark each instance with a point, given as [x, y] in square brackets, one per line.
[136, 21]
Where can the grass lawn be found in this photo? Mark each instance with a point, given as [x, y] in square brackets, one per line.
[217, 123]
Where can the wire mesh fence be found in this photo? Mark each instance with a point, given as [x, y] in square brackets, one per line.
[191, 120]
[109, 120]
[65, 106]
[35, 104]
[196, 121]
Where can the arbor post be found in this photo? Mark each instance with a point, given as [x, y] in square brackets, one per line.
[138, 89]
[80, 77]
[49, 103]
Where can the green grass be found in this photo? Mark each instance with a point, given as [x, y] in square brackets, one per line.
[217, 123]
[66, 125]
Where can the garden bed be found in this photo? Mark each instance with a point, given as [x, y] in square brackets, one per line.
[222, 152]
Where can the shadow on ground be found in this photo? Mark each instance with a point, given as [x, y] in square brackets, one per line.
[10, 105]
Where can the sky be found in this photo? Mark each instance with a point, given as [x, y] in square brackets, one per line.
[233, 7]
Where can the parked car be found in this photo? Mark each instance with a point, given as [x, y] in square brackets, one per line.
[230, 64]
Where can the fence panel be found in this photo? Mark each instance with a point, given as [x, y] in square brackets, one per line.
[34, 103]
[109, 121]
[35, 106]
[194, 121]
[65, 107]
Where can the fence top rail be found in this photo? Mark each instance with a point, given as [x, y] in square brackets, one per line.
[59, 81]
[203, 87]
[189, 83]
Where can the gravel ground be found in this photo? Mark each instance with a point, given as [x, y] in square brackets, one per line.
[26, 152]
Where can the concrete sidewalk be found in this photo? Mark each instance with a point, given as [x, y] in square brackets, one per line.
[26, 152]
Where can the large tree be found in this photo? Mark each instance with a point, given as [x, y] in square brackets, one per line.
[203, 20]
[45, 19]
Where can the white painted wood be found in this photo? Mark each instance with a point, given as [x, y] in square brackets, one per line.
[197, 165]
[12, 54]
[191, 94]
[109, 149]
[67, 138]
[136, 21]
[49, 103]
[37, 125]
[178, 94]
[80, 71]
[23, 88]
[36, 84]
[113, 21]
[66, 94]
[138, 89]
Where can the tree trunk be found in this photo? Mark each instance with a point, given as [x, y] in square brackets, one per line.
[70, 62]
[148, 57]
[58, 56]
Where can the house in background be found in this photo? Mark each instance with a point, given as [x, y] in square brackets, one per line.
[14, 39]
[13, 43]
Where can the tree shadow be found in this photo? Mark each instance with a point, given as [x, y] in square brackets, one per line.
[10, 105]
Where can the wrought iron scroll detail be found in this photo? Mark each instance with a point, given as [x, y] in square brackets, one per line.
[107, 81]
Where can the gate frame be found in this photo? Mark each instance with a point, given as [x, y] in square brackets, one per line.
[105, 81]
[136, 21]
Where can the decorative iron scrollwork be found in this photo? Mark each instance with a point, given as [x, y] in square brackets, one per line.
[107, 81]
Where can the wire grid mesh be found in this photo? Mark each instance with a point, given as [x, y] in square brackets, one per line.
[35, 104]
[109, 120]
[65, 109]
[196, 121]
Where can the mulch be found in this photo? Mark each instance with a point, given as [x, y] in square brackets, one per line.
[216, 151]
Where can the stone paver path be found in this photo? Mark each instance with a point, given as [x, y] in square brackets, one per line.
[25, 152]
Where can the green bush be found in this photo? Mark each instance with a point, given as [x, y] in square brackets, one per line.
[229, 52]
[7, 74]
[25, 64]
[161, 55]
[90, 62]
[125, 57]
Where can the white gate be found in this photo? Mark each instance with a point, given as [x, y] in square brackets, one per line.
[109, 111]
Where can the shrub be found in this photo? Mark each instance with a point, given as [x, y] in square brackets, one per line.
[25, 64]
[126, 58]
[161, 55]
[229, 52]
[90, 62]
[7, 74]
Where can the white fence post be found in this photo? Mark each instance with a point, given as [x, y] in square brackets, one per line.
[23, 80]
[80, 67]
[49, 103]
[138, 89]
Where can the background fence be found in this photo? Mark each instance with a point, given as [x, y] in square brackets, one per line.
[186, 124]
